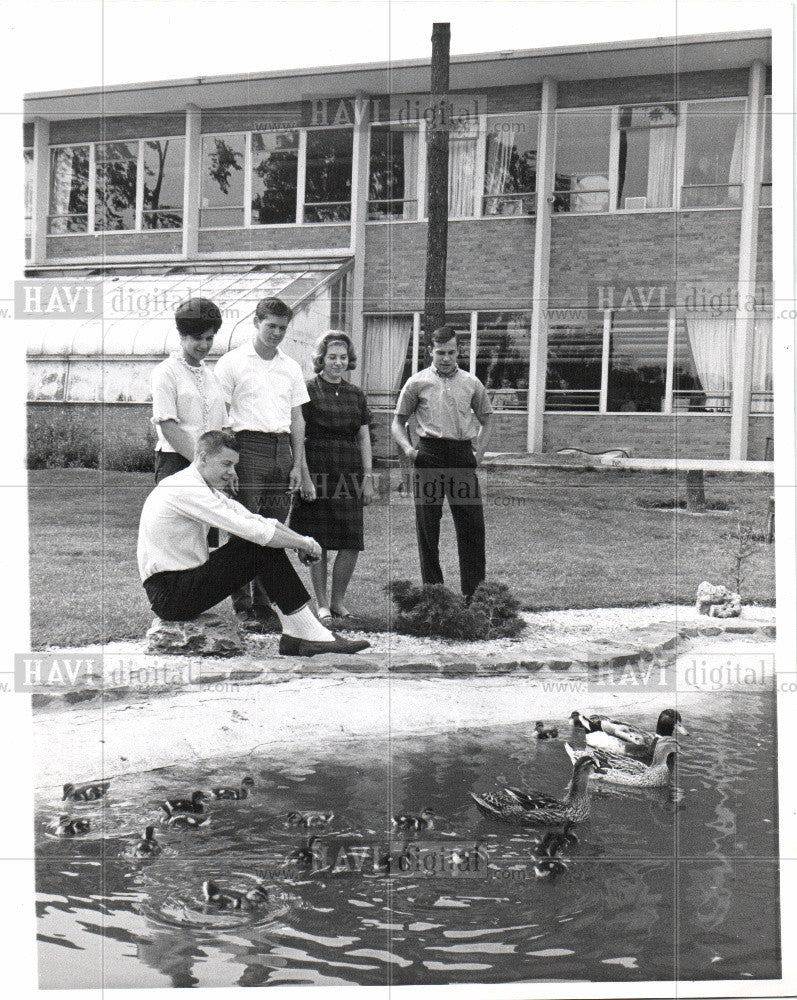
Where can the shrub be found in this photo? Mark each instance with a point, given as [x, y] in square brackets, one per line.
[433, 610]
[67, 443]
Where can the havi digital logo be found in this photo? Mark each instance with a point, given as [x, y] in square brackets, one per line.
[54, 298]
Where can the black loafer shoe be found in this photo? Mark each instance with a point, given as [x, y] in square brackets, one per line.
[291, 646]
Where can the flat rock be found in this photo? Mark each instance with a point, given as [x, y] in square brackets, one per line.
[207, 635]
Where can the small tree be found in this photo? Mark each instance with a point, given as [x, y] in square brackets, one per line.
[745, 545]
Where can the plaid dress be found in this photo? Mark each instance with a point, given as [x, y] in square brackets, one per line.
[333, 417]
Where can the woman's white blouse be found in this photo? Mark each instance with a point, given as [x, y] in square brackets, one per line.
[191, 396]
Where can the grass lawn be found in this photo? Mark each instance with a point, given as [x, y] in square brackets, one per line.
[558, 538]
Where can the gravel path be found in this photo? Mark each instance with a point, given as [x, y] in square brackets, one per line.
[553, 628]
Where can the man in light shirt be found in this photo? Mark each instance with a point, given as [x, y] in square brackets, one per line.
[454, 418]
[182, 578]
[265, 391]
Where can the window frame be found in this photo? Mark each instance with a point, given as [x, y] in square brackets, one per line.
[680, 157]
[420, 181]
[91, 193]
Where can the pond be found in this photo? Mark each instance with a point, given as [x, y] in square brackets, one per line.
[663, 884]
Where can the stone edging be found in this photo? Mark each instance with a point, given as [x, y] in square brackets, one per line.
[174, 674]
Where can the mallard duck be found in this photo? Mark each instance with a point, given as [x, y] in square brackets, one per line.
[234, 793]
[404, 821]
[511, 805]
[230, 899]
[309, 820]
[192, 805]
[622, 769]
[623, 737]
[66, 827]
[186, 821]
[147, 847]
[89, 791]
[545, 734]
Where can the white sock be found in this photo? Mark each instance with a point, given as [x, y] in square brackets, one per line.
[303, 624]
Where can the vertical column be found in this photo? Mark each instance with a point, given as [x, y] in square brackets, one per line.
[359, 213]
[191, 184]
[538, 348]
[41, 190]
[748, 246]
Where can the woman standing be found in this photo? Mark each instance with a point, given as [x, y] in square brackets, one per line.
[187, 399]
[338, 454]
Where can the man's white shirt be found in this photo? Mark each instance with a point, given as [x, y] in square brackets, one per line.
[260, 394]
[173, 532]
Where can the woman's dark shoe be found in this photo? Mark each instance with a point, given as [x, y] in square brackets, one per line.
[291, 646]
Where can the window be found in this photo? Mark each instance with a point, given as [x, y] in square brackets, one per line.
[713, 157]
[28, 155]
[583, 140]
[766, 176]
[502, 357]
[116, 168]
[637, 362]
[393, 172]
[69, 189]
[388, 344]
[328, 175]
[703, 371]
[646, 158]
[510, 174]
[275, 169]
[575, 351]
[164, 165]
[222, 197]
[462, 145]
[120, 198]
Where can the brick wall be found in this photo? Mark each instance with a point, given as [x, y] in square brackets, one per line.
[102, 129]
[490, 264]
[266, 240]
[252, 118]
[115, 244]
[652, 435]
[694, 248]
[662, 87]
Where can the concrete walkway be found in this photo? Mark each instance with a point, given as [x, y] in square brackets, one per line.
[143, 712]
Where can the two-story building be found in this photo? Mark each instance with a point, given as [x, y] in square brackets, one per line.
[609, 246]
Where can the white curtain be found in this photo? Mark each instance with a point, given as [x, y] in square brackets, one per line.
[496, 174]
[762, 365]
[386, 341]
[712, 343]
[410, 174]
[661, 167]
[735, 169]
[461, 174]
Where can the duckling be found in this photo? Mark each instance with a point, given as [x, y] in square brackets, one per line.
[404, 821]
[234, 793]
[553, 842]
[547, 867]
[309, 820]
[192, 805]
[545, 734]
[148, 847]
[186, 821]
[229, 899]
[303, 857]
[511, 805]
[89, 791]
[465, 857]
[622, 769]
[66, 827]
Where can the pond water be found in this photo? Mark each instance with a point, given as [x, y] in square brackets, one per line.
[662, 885]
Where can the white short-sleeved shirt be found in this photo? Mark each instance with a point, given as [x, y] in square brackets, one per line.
[261, 394]
[193, 398]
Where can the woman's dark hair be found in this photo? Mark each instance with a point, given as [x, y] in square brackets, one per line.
[196, 316]
[322, 346]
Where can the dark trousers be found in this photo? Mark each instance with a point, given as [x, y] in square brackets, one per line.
[264, 468]
[179, 595]
[446, 469]
[167, 463]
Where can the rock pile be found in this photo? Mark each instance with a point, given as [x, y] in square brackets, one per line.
[207, 635]
[717, 601]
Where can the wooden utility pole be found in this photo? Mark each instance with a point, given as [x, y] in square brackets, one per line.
[437, 183]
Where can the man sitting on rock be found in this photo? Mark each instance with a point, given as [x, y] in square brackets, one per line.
[182, 578]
